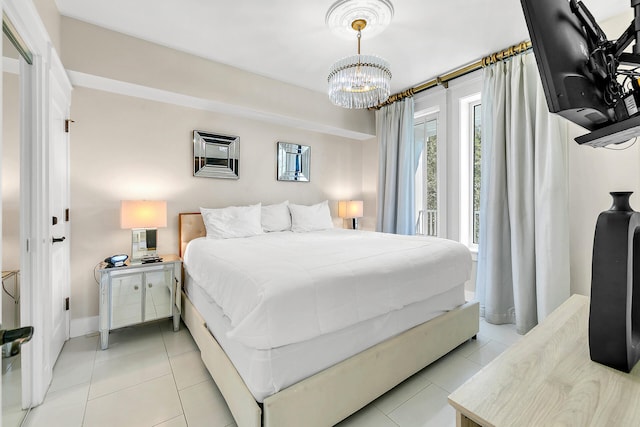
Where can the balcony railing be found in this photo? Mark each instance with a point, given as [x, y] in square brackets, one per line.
[476, 227]
[427, 223]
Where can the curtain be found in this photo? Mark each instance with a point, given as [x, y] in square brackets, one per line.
[397, 166]
[523, 255]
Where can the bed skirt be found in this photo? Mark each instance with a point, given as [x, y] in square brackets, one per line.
[331, 395]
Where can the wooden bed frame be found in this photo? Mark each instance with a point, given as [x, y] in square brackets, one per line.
[331, 395]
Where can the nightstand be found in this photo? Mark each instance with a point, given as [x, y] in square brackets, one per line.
[138, 293]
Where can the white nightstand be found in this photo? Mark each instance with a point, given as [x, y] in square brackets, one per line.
[137, 293]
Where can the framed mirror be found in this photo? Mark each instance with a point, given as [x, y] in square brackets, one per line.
[215, 156]
[294, 162]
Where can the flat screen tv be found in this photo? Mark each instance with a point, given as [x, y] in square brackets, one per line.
[562, 52]
[579, 85]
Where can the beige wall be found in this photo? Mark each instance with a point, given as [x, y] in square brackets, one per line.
[105, 53]
[50, 16]
[593, 173]
[126, 147]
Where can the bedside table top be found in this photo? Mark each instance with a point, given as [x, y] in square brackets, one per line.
[166, 259]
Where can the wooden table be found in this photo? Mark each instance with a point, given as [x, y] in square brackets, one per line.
[547, 379]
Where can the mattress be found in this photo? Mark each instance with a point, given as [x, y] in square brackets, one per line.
[267, 371]
[283, 288]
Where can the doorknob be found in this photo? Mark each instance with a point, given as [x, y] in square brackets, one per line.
[12, 339]
[57, 239]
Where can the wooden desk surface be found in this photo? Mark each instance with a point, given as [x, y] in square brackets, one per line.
[548, 379]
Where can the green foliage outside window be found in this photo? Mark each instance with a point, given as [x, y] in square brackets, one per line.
[477, 145]
[431, 151]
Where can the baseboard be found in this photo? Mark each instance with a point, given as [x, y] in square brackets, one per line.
[83, 326]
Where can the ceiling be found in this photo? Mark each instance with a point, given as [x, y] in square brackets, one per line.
[288, 40]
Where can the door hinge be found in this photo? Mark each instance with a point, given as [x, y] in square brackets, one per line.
[66, 124]
[66, 215]
[66, 304]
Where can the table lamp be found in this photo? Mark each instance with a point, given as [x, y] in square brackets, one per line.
[143, 217]
[351, 209]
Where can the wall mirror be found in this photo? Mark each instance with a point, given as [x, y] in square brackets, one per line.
[215, 156]
[294, 161]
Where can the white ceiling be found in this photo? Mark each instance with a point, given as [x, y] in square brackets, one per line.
[288, 40]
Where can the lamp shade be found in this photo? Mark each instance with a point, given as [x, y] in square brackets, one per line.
[143, 214]
[350, 209]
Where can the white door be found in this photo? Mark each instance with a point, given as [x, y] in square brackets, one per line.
[44, 267]
[59, 217]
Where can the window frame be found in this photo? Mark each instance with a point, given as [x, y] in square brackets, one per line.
[446, 100]
[426, 114]
[466, 140]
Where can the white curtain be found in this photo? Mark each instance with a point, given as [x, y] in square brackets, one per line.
[397, 166]
[523, 256]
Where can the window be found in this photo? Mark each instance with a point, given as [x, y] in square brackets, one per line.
[470, 165]
[448, 134]
[426, 197]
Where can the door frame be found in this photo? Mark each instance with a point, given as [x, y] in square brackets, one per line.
[35, 231]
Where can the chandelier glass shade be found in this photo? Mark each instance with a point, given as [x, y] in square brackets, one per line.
[359, 81]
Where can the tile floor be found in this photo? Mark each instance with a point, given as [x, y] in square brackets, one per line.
[152, 376]
[12, 413]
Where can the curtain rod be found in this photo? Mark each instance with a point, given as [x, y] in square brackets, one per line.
[444, 79]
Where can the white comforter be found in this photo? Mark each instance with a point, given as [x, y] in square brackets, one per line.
[281, 288]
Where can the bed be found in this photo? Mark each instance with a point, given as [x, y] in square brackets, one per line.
[289, 379]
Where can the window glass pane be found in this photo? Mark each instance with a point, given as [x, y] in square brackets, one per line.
[426, 197]
[431, 178]
[477, 144]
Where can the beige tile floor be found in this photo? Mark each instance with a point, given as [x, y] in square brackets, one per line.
[152, 376]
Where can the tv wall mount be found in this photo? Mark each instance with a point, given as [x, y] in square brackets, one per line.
[609, 62]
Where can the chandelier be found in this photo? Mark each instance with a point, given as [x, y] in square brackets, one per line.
[359, 81]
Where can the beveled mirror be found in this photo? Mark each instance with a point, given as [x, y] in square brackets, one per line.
[215, 156]
[294, 162]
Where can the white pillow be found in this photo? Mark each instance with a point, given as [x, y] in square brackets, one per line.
[276, 217]
[310, 218]
[233, 221]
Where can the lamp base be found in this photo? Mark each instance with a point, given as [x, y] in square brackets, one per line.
[354, 223]
[143, 243]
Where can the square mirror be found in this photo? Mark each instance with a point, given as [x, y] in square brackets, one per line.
[294, 162]
[215, 156]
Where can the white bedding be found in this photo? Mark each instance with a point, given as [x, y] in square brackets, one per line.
[282, 288]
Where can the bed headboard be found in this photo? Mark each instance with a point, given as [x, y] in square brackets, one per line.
[190, 226]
